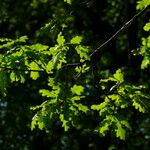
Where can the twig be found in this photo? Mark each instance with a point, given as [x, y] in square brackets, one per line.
[16, 69]
[125, 26]
[70, 65]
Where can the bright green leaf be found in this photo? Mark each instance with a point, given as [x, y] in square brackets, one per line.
[77, 89]
[81, 107]
[68, 1]
[96, 107]
[147, 27]
[34, 74]
[50, 67]
[39, 47]
[138, 106]
[45, 92]
[60, 39]
[83, 52]
[64, 122]
[119, 76]
[104, 127]
[145, 62]
[76, 40]
[120, 132]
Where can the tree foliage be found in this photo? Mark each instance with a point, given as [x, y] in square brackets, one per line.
[81, 86]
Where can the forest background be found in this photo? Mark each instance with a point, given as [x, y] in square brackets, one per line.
[74, 74]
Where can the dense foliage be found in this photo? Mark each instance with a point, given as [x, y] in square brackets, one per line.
[57, 79]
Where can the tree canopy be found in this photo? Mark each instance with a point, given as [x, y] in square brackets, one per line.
[74, 74]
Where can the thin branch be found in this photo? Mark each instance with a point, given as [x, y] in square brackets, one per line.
[16, 69]
[125, 26]
[70, 65]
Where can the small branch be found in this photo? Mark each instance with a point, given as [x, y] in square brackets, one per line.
[71, 65]
[125, 26]
[16, 69]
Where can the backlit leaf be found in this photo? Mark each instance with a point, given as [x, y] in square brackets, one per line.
[76, 40]
[120, 132]
[147, 27]
[77, 89]
[60, 39]
[68, 1]
[119, 76]
[34, 74]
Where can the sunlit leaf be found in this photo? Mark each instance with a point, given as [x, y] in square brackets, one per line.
[76, 40]
[147, 27]
[96, 107]
[119, 76]
[138, 106]
[39, 47]
[77, 89]
[145, 62]
[49, 67]
[104, 127]
[64, 122]
[82, 107]
[120, 132]
[34, 74]
[83, 52]
[68, 1]
[60, 39]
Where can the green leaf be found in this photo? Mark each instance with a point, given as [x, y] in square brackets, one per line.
[147, 27]
[138, 106]
[41, 125]
[77, 89]
[60, 39]
[81, 107]
[104, 127]
[120, 132]
[34, 122]
[53, 93]
[65, 122]
[22, 78]
[104, 108]
[13, 77]
[5, 40]
[17, 76]
[76, 40]
[77, 98]
[22, 39]
[50, 67]
[126, 124]
[44, 92]
[37, 120]
[83, 52]
[142, 4]
[34, 74]
[39, 47]
[58, 59]
[96, 107]
[145, 62]
[118, 75]
[109, 79]
[68, 1]
[105, 124]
